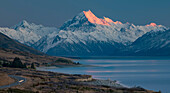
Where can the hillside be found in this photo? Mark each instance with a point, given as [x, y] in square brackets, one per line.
[28, 58]
[6, 42]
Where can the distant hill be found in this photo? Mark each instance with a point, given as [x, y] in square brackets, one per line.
[6, 42]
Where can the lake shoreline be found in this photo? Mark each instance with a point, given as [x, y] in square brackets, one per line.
[115, 83]
[46, 81]
[130, 72]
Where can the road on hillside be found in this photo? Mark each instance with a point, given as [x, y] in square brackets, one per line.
[19, 81]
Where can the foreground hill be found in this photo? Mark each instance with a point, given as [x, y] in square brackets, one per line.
[9, 55]
[6, 42]
[39, 60]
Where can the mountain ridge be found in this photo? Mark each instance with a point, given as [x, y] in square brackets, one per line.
[78, 34]
[27, 33]
[85, 33]
[152, 43]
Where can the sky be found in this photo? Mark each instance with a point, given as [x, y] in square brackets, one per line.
[54, 13]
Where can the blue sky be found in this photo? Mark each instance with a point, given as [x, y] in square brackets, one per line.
[56, 12]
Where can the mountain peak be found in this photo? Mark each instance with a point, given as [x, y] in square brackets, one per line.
[86, 20]
[24, 22]
[108, 20]
[111, 21]
[152, 24]
[93, 19]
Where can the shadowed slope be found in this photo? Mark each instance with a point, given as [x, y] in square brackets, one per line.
[6, 42]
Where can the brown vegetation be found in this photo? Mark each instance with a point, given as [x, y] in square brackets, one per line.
[50, 82]
[28, 58]
[9, 43]
[5, 79]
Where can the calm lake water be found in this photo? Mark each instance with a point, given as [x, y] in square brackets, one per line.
[150, 73]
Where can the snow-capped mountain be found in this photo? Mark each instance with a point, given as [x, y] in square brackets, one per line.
[106, 29]
[27, 33]
[87, 34]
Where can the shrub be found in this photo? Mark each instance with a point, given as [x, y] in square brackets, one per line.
[64, 60]
[17, 63]
[32, 66]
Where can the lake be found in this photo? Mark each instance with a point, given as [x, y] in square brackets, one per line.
[152, 73]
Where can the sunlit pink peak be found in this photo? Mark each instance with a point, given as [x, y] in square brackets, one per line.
[117, 22]
[108, 20]
[152, 24]
[93, 19]
[111, 21]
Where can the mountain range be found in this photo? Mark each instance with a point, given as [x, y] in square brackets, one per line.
[87, 35]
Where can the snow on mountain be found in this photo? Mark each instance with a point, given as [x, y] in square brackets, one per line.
[27, 33]
[106, 29]
[152, 43]
[86, 34]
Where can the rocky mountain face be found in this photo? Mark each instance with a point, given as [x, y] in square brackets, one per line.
[154, 43]
[88, 35]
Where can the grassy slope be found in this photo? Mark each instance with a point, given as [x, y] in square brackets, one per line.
[6, 42]
[9, 55]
